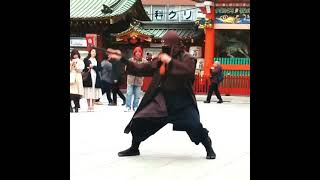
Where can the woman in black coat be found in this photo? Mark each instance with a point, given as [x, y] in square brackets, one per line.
[92, 85]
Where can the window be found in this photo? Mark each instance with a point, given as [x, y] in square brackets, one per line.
[232, 43]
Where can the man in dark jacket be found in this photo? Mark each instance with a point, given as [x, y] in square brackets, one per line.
[106, 81]
[216, 71]
[169, 98]
[117, 78]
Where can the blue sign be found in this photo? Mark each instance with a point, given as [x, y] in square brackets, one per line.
[232, 16]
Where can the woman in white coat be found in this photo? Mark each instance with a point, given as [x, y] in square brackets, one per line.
[76, 87]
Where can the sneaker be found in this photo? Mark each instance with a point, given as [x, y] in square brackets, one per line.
[127, 109]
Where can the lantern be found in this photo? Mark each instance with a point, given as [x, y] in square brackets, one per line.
[133, 40]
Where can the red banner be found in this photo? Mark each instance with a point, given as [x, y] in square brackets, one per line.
[91, 40]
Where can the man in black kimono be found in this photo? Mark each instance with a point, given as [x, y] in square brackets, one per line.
[169, 98]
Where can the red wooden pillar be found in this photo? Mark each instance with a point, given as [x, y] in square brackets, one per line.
[208, 9]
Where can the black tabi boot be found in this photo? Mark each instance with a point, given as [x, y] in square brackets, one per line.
[132, 151]
[208, 145]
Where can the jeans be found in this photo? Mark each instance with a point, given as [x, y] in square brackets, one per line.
[136, 91]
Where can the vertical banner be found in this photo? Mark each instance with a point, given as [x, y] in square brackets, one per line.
[91, 40]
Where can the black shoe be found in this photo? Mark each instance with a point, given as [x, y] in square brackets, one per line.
[211, 155]
[76, 110]
[206, 101]
[208, 145]
[124, 103]
[220, 102]
[129, 152]
[112, 104]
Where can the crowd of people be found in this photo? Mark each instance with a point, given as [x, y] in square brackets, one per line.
[91, 79]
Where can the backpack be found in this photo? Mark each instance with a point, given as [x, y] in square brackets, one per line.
[220, 77]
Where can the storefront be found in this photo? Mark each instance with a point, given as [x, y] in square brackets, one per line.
[232, 32]
[227, 40]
